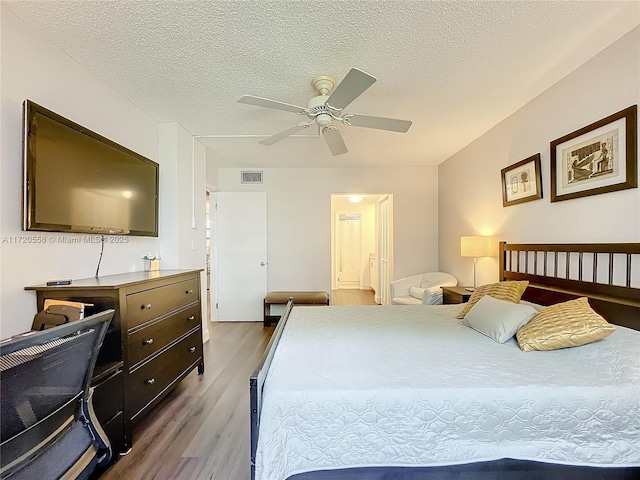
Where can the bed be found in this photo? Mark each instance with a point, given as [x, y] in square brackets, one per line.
[408, 392]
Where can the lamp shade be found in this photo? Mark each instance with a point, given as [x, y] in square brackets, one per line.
[478, 246]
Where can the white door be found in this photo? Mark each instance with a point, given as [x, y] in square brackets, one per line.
[349, 243]
[242, 255]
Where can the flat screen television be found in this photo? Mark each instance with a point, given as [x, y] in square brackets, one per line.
[75, 180]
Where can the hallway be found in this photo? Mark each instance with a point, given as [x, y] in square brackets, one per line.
[352, 297]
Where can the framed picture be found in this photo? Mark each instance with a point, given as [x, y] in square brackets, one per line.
[522, 181]
[599, 158]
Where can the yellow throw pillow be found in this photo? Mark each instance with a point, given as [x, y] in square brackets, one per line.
[568, 324]
[509, 291]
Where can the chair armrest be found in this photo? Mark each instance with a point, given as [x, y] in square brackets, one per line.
[432, 296]
[400, 287]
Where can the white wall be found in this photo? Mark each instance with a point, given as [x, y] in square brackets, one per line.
[33, 69]
[299, 218]
[183, 184]
[470, 199]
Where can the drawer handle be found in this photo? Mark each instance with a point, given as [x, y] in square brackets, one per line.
[192, 317]
[188, 292]
[192, 349]
[145, 307]
[148, 341]
[150, 381]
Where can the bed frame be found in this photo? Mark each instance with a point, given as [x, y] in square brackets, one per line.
[607, 274]
[256, 383]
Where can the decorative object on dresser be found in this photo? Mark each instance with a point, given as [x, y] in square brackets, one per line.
[458, 294]
[599, 158]
[151, 261]
[522, 181]
[155, 340]
[477, 246]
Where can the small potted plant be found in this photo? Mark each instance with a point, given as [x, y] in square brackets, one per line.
[151, 261]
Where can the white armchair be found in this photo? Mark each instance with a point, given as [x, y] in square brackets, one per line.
[423, 288]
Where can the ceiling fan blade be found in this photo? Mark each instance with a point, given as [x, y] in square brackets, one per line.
[381, 123]
[284, 134]
[334, 140]
[265, 102]
[350, 88]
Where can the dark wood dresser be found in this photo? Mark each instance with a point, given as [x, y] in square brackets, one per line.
[153, 342]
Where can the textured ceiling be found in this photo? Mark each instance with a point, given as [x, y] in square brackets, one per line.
[455, 68]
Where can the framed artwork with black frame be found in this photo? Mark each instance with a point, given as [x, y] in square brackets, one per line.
[599, 158]
[522, 181]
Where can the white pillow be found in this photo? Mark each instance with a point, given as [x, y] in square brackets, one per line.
[417, 292]
[498, 319]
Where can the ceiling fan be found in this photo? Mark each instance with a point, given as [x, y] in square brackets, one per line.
[326, 110]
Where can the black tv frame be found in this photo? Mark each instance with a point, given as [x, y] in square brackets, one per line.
[30, 108]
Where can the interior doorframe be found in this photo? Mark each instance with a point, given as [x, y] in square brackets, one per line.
[333, 220]
[212, 297]
[383, 295]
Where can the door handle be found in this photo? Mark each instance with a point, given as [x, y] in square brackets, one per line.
[262, 264]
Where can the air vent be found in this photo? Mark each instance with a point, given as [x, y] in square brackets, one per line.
[251, 177]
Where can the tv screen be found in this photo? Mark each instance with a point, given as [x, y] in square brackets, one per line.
[78, 181]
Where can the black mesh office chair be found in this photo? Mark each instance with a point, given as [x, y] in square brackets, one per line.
[48, 427]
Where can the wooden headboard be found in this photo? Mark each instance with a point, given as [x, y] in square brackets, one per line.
[607, 273]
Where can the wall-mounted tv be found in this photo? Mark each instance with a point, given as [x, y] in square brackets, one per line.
[75, 180]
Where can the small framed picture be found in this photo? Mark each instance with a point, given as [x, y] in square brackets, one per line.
[599, 158]
[522, 181]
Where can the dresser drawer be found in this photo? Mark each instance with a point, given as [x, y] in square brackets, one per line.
[107, 397]
[144, 306]
[157, 335]
[152, 378]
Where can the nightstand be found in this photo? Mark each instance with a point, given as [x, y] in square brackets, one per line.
[455, 295]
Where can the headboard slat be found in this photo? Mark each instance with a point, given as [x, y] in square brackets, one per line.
[610, 268]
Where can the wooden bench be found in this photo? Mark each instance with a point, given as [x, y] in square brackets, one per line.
[299, 298]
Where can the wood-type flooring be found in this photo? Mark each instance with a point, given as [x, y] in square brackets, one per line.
[201, 429]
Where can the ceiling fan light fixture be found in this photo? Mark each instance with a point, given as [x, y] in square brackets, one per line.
[324, 119]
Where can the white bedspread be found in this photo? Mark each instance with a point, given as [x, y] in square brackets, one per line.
[411, 386]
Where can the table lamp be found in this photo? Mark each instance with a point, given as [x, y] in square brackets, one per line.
[477, 246]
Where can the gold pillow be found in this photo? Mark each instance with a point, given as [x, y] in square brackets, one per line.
[509, 291]
[568, 324]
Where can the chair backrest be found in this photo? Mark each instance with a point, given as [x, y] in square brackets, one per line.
[44, 379]
[438, 279]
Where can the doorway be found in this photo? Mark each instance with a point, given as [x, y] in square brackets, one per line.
[361, 229]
